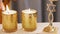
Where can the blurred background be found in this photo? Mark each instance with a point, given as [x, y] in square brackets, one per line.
[39, 5]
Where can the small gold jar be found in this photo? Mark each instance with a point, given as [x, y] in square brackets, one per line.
[29, 19]
[9, 21]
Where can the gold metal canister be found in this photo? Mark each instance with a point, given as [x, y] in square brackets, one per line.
[29, 19]
[9, 21]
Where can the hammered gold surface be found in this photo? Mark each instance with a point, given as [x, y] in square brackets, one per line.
[9, 22]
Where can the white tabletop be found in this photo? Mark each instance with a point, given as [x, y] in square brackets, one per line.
[39, 29]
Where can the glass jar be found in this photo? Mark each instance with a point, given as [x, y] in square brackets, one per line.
[29, 20]
[9, 21]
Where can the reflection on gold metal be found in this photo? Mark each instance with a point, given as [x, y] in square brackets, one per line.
[29, 20]
[49, 29]
[51, 9]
